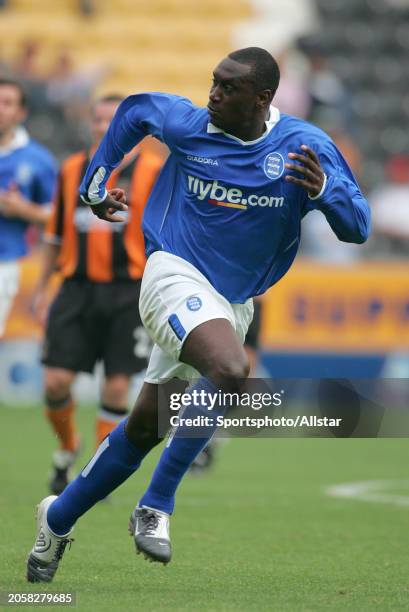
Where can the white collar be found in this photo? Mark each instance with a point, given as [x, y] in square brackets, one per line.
[272, 120]
[19, 140]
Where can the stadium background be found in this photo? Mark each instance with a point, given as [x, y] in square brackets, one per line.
[343, 310]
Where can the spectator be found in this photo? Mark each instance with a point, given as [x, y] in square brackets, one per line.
[27, 69]
[292, 96]
[329, 100]
[86, 7]
[67, 87]
[277, 24]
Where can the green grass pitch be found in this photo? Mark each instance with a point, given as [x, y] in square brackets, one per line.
[257, 533]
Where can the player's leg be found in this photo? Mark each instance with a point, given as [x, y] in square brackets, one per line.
[218, 353]
[60, 413]
[111, 309]
[192, 322]
[213, 349]
[114, 461]
[67, 350]
[118, 456]
[205, 460]
[114, 405]
[124, 352]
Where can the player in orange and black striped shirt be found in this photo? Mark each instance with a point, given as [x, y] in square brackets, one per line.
[95, 315]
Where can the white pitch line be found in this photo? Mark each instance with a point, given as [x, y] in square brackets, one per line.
[371, 491]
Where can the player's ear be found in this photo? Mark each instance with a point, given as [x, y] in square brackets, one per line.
[264, 98]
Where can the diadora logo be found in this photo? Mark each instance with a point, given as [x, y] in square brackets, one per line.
[203, 160]
[232, 197]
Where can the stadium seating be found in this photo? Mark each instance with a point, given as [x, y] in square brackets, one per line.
[366, 42]
[166, 45]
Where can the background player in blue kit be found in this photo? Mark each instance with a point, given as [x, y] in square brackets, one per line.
[27, 182]
[221, 226]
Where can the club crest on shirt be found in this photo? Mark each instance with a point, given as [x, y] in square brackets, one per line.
[23, 174]
[274, 165]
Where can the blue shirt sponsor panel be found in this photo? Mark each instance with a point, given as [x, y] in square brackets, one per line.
[223, 204]
[30, 168]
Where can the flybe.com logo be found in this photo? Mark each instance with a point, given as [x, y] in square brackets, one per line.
[232, 197]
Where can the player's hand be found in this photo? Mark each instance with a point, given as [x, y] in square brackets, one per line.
[310, 169]
[12, 203]
[114, 202]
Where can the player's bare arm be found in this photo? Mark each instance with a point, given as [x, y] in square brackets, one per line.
[311, 171]
[114, 202]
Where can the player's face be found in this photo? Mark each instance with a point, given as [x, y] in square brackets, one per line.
[11, 111]
[233, 101]
[102, 115]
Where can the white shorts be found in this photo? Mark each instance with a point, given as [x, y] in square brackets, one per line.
[9, 278]
[175, 298]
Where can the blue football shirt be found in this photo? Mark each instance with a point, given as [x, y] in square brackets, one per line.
[32, 169]
[223, 204]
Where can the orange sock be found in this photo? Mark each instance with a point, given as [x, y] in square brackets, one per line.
[107, 420]
[103, 428]
[63, 423]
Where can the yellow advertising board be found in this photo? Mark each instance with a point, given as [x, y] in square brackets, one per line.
[21, 323]
[359, 308]
[314, 307]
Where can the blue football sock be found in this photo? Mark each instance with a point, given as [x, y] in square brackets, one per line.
[180, 452]
[114, 461]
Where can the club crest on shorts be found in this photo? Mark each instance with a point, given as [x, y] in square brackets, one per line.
[274, 165]
[194, 303]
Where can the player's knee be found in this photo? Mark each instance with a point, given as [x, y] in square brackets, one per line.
[115, 391]
[230, 372]
[57, 385]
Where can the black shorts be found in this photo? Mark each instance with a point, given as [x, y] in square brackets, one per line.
[90, 322]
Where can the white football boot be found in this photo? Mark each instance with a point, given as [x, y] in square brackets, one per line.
[48, 549]
[150, 530]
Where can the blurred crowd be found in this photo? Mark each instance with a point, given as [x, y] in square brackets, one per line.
[86, 8]
[58, 98]
[344, 68]
[341, 65]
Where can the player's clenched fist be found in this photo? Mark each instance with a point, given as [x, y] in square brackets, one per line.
[311, 171]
